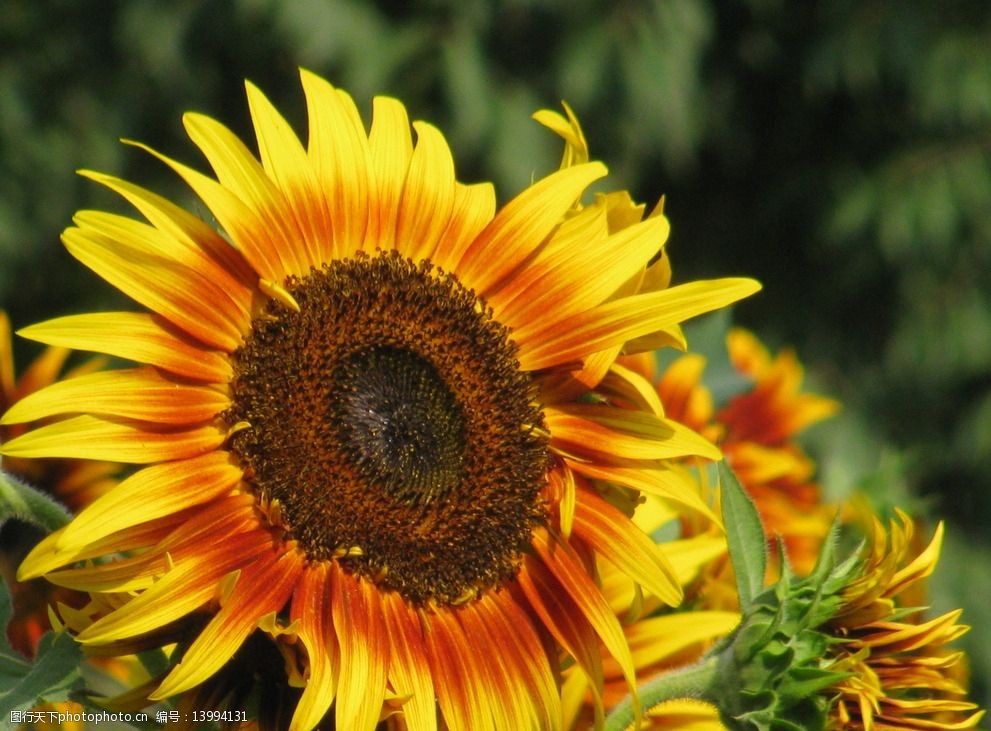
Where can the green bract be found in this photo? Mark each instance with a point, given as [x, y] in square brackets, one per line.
[769, 673]
[771, 670]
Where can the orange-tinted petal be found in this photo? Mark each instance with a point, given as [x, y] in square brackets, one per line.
[409, 668]
[153, 492]
[241, 174]
[44, 558]
[264, 586]
[181, 295]
[180, 591]
[574, 280]
[190, 241]
[390, 148]
[311, 607]
[474, 207]
[362, 639]
[566, 622]
[613, 536]
[521, 226]
[547, 343]
[242, 224]
[139, 572]
[285, 162]
[523, 658]
[498, 685]
[458, 678]
[560, 559]
[6, 363]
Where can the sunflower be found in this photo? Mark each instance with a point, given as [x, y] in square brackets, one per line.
[902, 674]
[360, 412]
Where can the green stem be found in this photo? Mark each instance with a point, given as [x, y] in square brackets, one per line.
[694, 681]
[21, 501]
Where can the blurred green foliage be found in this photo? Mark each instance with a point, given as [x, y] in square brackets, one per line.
[840, 152]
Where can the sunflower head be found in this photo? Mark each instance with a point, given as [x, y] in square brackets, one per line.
[379, 419]
[902, 674]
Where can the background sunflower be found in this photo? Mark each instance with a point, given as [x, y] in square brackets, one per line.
[841, 155]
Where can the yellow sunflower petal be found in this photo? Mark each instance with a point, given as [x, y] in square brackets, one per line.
[566, 623]
[525, 660]
[137, 238]
[239, 172]
[496, 684]
[575, 148]
[186, 543]
[182, 590]
[585, 429]
[428, 197]
[687, 715]
[520, 227]
[655, 639]
[391, 148]
[571, 284]
[543, 345]
[898, 637]
[242, 224]
[920, 567]
[191, 240]
[575, 235]
[179, 294]
[6, 363]
[458, 679]
[90, 437]
[284, 160]
[136, 336]
[44, 558]
[661, 481]
[152, 493]
[339, 152]
[474, 207]
[630, 387]
[609, 532]
[689, 556]
[141, 393]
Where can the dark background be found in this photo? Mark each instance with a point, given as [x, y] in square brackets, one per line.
[838, 151]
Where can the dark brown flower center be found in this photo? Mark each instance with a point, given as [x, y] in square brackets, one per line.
[399, 423]
[392, 426]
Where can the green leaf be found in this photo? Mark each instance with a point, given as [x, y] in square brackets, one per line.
[23, 502]
[12, 665]
[744, 537]
[50, 678]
